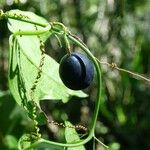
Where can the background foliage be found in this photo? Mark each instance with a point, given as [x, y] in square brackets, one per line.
[115, 31]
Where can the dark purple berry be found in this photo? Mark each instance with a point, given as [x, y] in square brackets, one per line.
[76, 71]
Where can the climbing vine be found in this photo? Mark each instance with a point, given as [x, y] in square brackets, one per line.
[28, 94]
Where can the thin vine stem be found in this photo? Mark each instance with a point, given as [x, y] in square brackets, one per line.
[47, 27]
[99, 81]
[97, 105]
[114, 66]
[94, 144]
[101, 142]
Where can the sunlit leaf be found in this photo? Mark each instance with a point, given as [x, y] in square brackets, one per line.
[72, 136]
[24, 141]
[25, 56]
[18, 25]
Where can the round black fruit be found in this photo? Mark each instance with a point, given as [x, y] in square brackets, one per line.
[76, 71]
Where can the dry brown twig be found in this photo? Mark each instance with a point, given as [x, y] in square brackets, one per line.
[114, 66]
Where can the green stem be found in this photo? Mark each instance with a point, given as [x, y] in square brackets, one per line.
[97, 105]
[99, 81]
[101, 142]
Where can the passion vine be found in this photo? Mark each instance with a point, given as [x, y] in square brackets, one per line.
[76, 71]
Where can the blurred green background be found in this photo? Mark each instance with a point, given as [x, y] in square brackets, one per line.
[115, 31]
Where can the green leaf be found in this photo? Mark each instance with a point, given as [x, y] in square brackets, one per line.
[72, 136]
[16, 25]
[25, 56]
[25, 141]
